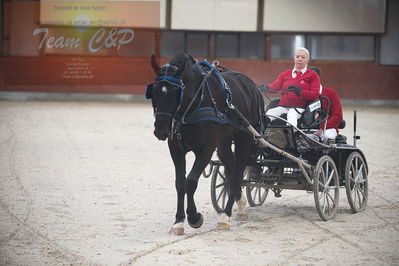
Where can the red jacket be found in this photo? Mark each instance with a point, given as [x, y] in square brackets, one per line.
[335, 116]
[308, 81]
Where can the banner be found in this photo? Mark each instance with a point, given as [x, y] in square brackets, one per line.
[67, 45]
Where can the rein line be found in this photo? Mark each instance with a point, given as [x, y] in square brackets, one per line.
[200, 89]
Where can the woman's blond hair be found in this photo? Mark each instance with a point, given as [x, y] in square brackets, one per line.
[303, 49]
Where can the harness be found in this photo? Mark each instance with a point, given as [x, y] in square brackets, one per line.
[198, 114]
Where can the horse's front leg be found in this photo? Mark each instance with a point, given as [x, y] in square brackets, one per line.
[179, 160]
[202, 158]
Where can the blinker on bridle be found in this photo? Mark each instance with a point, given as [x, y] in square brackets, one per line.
[171, 80]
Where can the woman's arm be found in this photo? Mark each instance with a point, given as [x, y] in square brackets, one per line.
[278, 83]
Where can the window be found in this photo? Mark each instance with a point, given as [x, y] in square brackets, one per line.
[197, 44]
[224, 44]
[341, 47]
[252, 45]
[172, 42]
[227, 45]
[283, 46]
[389, 43]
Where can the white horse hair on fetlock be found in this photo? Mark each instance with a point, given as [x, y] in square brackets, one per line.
[177, 229]
[241, 204]
[242, 214]
[223, 222]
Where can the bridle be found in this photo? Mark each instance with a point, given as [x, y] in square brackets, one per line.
[177, 82]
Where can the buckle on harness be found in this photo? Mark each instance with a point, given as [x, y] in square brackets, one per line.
[178, 136]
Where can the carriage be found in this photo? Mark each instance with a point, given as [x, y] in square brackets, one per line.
[292, 158]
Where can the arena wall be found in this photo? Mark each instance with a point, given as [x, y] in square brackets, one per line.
[352, 80]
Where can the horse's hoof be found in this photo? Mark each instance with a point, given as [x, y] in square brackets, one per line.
[223, 223]
[197, 224]
[223, 226]
[177, 229]
[242, 217]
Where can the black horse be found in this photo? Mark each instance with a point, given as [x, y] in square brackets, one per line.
[193, 105]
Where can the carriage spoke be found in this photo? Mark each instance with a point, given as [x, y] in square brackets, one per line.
[321, 194]
[222, 176]
[321, 184]
[361, 196]
[256, 194]
[222, 193]
[354, 194]
[327, 168]
[353, 190]
[220, 185]
[332, 199]
[360, 200]
[224, 200]
[359, 175]
[323, 177]
[253, 191]
[324, 202]
[361, 191]
[353, 173]
[330, 177]
[328, 203]
[356, 162]
[361, 168]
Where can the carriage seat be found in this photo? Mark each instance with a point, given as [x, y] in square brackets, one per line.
[301, 121]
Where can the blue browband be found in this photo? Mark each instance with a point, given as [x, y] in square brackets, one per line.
[171, 79]
[176, 81]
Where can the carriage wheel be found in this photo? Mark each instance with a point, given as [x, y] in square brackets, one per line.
[256, 195]
[219, 189]
[356, 182]
[326, 188]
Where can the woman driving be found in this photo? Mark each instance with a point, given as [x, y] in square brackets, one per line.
[302, 86]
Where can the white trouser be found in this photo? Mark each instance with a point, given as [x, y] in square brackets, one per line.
[292, 115]
[330, 133]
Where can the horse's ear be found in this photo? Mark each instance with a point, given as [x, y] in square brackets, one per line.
[192, 59]
[155, 65]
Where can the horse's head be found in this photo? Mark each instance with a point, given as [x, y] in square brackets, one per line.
[167, 92]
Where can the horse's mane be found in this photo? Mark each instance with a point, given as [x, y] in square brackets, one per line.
[180, 58]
